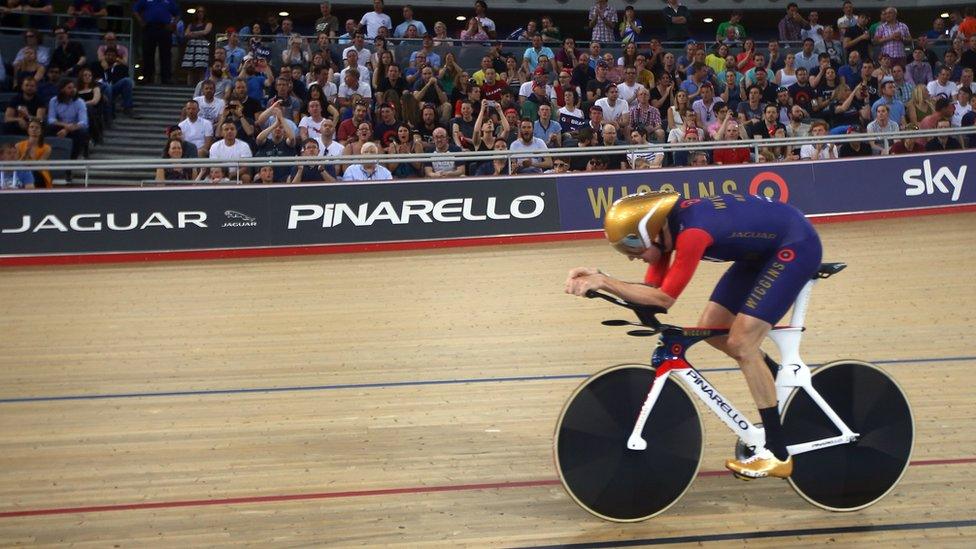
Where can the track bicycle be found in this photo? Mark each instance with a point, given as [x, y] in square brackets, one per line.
[847, 423]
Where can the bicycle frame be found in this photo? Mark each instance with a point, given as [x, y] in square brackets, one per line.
[669, 360]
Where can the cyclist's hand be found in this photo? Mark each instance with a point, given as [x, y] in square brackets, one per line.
[581, 271]
[582, 284]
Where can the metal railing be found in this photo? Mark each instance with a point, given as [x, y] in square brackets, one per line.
[884, 139]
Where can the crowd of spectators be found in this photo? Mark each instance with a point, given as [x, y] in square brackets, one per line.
[344, 90]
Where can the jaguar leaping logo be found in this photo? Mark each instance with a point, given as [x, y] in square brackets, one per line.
[231, 214]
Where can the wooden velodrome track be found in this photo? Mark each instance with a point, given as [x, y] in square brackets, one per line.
[409, 398]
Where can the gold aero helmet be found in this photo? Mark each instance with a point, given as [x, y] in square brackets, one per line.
[633, 221]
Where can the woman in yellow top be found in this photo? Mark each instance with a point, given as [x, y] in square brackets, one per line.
[716, 59]
[34, 148]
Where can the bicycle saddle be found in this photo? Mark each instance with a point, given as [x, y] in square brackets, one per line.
[828, 270]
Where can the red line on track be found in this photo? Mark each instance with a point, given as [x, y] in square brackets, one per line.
[351, 494]
[245, 253]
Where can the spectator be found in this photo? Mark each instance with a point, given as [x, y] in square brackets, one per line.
[908, 145]
[734, 23]
[327, 23]
[406, 142]
[156, 17]
[602, 20]
[498, 165]
[716, 59]
[27, 67]
[676, 17]
[196, 56]
[349, 128]
[630, 26]
[731, 155]
[629, 88]
[692, 86]
[35, 149]
[801, 92]
[896, 108]
[189, 149]
[547, 129]
[13, 179]
[853, 149]
[832, 47]
[705, 105]
[644, 116]
[481, 13]
[967, 27]
[615, 111]
[196, 129]
[848, 19]
[68, 55]
[265, 175]
[768, 128]
[426, 126]
[473, 32]
[942, 85]
[919, 71]
[786, 76]
[775, 57]
[216, 175]
[528, 142]
[892, 35]
[920, 105]
[571, 117]
[85, 13]
[401, 30]
[968, 58]
[444, 165]
[792, 24]
[882, 124]
[868, 81]
[90, 92]
[116, 76]
[363, 55]
[530, 59]
[110, 40]
[440, 37]
[647, 157]
[373, 20]
[351, 29]
[428, 89]
[962, 107]
[231, 148]
[278, 141]
[67, 116]
[903, 88]
[310, 126]
[329, 147]
[819, 150]
[814, 32]
[492, 87]
[751, 110]
[795, 127]
[384, 131]
[944, 108]
[234, 112]
[808, 58]
[174, 151]
[352, 85]
[943, 142]
[34, 40]
[314, 171]
[858, 38]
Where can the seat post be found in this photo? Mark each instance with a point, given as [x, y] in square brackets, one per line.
[800, 305]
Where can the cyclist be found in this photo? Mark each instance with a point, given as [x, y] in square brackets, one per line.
[774, 251]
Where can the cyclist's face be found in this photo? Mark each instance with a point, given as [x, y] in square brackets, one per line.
[660, 246]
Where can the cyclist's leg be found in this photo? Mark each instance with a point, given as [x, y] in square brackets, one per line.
[779, 282]
[727, 298]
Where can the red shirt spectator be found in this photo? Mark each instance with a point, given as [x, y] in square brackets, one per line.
[737, 155]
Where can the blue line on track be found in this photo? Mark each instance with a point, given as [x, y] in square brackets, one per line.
[388, 384]
[742, 536]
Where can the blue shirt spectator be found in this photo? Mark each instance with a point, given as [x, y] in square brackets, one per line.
[72, 112]
[531, 55]
[159, 12]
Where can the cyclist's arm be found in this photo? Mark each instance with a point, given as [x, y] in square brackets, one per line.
[689, 249]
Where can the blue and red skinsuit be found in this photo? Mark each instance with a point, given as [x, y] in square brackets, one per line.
[774, 248]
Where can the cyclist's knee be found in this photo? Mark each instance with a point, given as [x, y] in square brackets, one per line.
[742, 348]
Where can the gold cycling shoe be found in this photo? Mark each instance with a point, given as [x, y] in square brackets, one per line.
[762, 464]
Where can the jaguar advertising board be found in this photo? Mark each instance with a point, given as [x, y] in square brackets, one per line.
[85, 221]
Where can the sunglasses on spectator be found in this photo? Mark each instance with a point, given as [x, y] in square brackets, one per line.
[560, 164]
